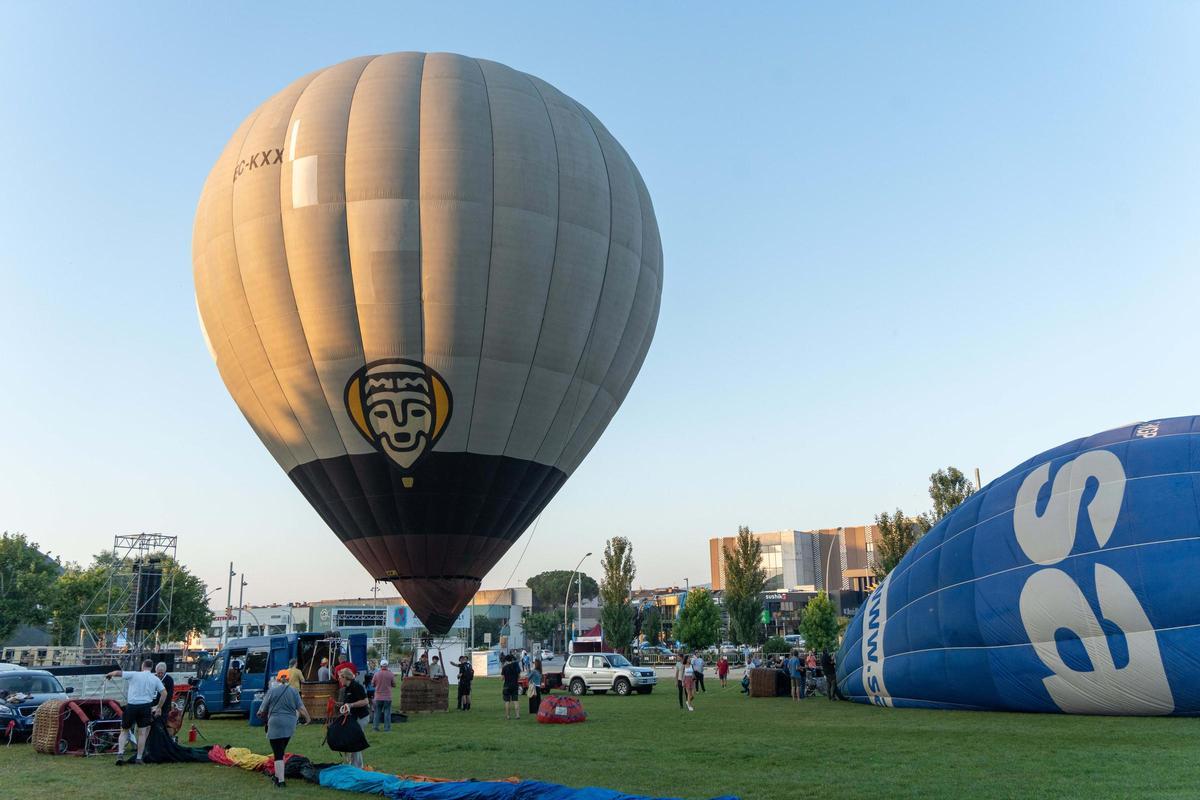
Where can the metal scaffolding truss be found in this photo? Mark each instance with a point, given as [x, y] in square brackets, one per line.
[131, 613]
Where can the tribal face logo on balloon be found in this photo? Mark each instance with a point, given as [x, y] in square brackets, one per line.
[401, 407]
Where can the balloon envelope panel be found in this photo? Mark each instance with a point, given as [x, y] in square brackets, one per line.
[1063, 586]
[428, 281]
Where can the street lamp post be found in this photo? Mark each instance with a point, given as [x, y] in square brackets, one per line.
[241, 590]
[567, 598]
[228, 605]
[829, 556]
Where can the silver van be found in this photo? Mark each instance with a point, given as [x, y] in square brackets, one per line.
[601, 672]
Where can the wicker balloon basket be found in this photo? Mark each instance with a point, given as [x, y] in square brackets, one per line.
[316, 696]
[766, 682]
[47, 727]
[419, 694]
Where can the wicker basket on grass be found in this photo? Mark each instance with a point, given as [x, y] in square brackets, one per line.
[47, 727]
[420, 694]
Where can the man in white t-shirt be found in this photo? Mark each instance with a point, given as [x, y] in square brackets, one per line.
[143, 697]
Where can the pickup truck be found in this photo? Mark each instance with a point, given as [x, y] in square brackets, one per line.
[552, 669]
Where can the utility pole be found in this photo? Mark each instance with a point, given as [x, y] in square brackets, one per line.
[378, 631]
[978, 485]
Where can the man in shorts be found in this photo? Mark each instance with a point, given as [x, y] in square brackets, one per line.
[511, 672]
[795, 669]
[144, 696]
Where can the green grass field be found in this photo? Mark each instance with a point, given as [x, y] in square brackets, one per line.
[753, 748]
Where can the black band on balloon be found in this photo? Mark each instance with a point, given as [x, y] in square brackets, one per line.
[452, 494]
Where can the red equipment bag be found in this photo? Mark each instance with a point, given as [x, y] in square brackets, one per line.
[561, 711]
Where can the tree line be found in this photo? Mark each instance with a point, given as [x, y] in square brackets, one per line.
[43, 592]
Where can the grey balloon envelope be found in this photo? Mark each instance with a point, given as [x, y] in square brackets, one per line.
[428, 281]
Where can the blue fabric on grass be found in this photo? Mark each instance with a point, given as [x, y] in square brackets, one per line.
[353, 779]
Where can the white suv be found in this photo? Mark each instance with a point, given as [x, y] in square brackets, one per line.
[601, 672]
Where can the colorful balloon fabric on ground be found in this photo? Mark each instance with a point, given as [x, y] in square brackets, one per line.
[1067, 585]
[428, 281]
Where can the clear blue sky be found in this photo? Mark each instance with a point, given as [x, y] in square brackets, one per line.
[960, 234]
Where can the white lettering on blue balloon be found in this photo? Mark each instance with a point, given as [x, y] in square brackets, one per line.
[874, 622]
[1052, 601]
[1047, 538]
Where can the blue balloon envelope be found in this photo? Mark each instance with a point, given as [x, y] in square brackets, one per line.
[1066, 585]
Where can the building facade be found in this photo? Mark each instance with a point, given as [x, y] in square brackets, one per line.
[829, 559]
[798, 564]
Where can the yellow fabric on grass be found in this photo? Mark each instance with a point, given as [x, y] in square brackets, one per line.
[246, 759]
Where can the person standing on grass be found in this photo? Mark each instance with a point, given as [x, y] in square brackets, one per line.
[384, 682]
[145, 695]
[698, 670]
[795, 670]
[722, 670]
[280, 708]
[535, 687]
[689, 682]
[511, 673]
[164, 708]
[353, 700]
[679, 678]
[466, 674]
[830, 670]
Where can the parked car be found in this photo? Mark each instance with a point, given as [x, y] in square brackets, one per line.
[602, 672]
[5, 667]
[656, 654]
[21, 692]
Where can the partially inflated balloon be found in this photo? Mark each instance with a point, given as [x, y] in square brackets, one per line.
[428, 281]
[1064, 585]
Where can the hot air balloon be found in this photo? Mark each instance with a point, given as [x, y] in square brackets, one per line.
[428, 282]
[1062, 586]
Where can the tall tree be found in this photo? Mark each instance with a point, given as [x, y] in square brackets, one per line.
[74, 592]
[699, 623]
[819, 624]
[549, 588]
[616, 613]
[540, 626]
[652, 624]
[26, 578]
[745, 579]
[485, 625]
[897, 533]
[189, 606]
[947, 488]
